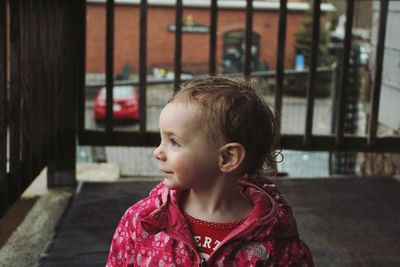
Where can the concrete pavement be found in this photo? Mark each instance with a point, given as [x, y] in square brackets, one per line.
[350, 221]
[29, 225]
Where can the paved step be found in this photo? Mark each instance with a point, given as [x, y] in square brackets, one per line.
[345, 221]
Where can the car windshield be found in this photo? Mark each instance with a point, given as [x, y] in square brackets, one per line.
[118, 92]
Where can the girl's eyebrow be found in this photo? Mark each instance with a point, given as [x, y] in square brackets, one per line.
[169, 133]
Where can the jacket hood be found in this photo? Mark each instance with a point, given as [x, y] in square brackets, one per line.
[270, 219]
[272, 216]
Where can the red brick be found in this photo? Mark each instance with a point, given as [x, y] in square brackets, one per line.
[195, 47]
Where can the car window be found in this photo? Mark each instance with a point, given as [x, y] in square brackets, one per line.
[119, 91]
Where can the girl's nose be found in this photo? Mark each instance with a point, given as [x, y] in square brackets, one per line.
[158, 153]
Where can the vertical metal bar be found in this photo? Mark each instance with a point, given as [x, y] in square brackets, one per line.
[48, 92]
[178, 44]
[81, 73]
[3, 107]
[45, 77]
[26, 94]
[143, 66]
[14, 184]
[249, 38]
[109, 65]
[36, 102]
[213, 38]
[344, 73]
[280, 64]
[313, 71]
[42, 93]
[35, 96]
[376, 90]
[37, 99]
[58, 81]
[52, 104]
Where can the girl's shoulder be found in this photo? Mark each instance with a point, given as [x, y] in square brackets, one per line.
[146, 205]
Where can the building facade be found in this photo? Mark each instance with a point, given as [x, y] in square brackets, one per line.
[195, 39]
[390, 88]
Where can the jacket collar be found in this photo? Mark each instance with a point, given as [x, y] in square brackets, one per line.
[269, 206]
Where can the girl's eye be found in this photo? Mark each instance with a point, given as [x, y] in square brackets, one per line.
[174, 142]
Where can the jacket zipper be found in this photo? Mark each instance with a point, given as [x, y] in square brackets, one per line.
[237, 231]
[229, 237]
[202, 262]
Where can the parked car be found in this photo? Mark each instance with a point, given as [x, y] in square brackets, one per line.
[125, 103]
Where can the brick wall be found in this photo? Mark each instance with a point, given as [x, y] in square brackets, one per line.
[161, 42]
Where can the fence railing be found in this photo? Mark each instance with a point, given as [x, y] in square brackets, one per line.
[41, 55]
[3, 108]
[306, 141]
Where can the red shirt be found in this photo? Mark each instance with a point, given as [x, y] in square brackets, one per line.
[208, 235]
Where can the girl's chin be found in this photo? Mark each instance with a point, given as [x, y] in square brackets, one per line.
[168, 183]
[171, 185]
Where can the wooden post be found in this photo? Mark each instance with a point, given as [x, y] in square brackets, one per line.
[3, 107]
[69, 79]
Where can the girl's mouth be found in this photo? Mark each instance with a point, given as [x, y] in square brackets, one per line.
[166, 172]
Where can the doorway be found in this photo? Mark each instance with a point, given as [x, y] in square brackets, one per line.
[234, 51]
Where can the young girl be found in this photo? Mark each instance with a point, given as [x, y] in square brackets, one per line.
[214, 206]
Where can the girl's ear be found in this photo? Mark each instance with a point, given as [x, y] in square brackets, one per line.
[231, 157]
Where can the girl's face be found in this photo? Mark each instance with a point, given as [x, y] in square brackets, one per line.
[186, 157]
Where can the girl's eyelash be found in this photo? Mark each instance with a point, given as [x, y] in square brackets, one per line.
[173, 141]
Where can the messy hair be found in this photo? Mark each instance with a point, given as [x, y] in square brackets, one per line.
[234, 112]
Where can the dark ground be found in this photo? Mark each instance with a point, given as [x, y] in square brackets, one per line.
[345, 221]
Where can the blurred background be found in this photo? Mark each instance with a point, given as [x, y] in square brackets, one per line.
[230, 58]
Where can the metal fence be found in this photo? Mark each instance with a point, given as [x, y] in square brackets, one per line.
[307, 141]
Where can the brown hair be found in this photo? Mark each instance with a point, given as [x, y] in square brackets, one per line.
[234, 112]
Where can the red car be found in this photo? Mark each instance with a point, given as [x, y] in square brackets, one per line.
[125, 103]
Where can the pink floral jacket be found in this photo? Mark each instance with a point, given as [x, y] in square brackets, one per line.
[154, 232]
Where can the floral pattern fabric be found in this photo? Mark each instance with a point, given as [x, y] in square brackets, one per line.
[154, 232]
